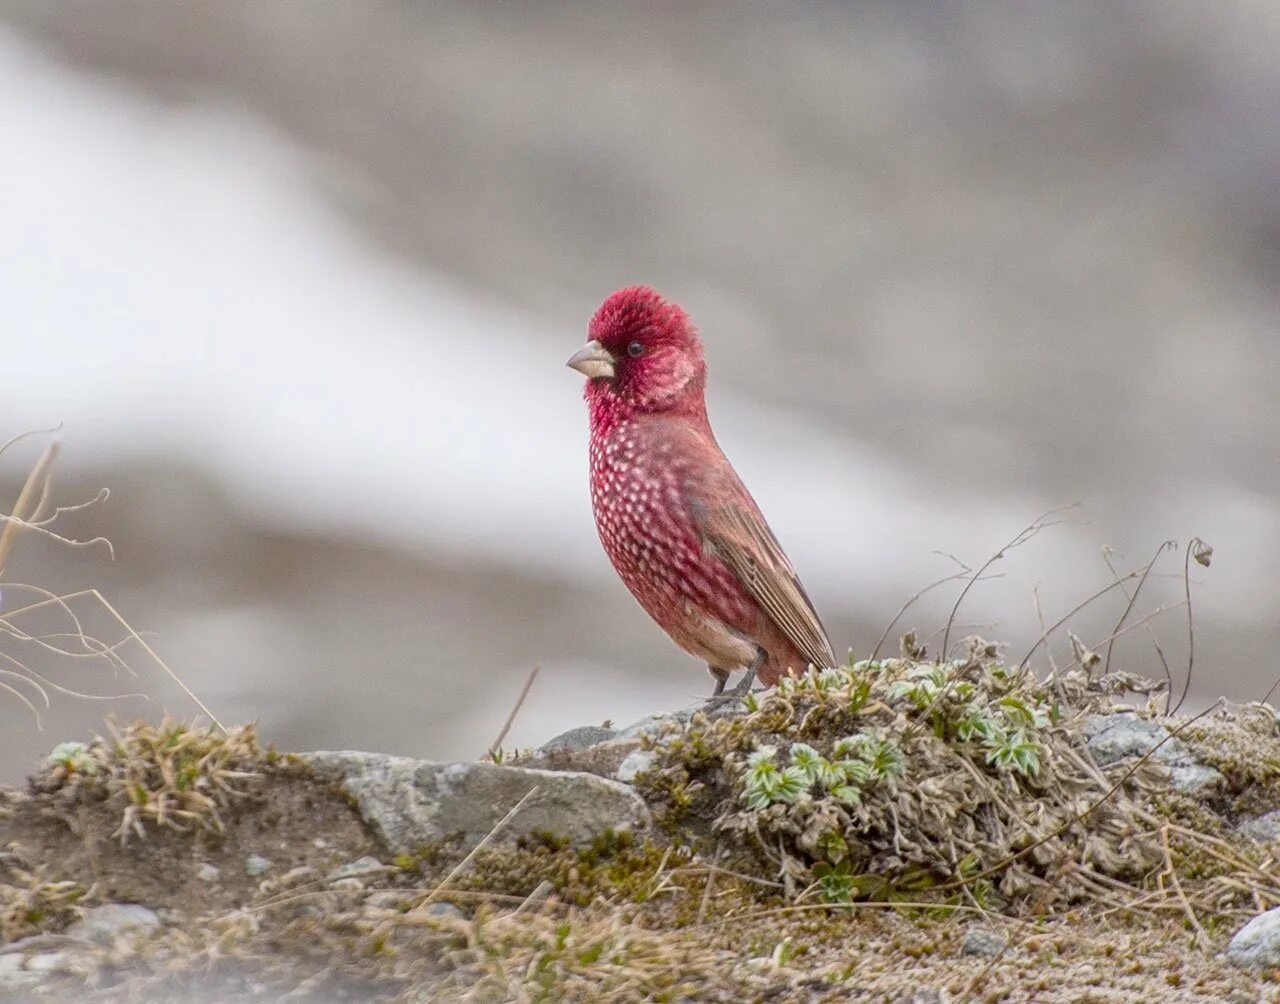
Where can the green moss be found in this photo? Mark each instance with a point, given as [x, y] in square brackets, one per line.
[430, 856]
[614, 867]
[671, 794]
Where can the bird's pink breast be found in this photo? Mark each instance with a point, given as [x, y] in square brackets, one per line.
[645, 525]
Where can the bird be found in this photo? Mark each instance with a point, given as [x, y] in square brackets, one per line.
[676, 521]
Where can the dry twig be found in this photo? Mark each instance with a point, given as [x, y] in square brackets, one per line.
[515, 710]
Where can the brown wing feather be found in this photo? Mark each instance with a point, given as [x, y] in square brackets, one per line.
[745, 543]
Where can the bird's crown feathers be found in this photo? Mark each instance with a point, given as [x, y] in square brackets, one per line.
[640, 312]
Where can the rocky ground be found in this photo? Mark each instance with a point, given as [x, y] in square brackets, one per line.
[897, 830]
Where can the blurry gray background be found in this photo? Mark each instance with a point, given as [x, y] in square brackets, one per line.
[299, 280]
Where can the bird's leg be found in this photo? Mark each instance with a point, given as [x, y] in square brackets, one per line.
[720, 696]
[749, 678]
[720, 676]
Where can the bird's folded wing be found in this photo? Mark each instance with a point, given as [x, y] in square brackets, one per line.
[743, 540]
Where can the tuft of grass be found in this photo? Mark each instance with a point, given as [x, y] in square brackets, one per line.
[30, 903]
[172, 775]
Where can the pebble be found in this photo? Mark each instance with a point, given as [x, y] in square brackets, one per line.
[364, 867]
[982, 941]
[104, 924]
[208, 873]
[256, 864]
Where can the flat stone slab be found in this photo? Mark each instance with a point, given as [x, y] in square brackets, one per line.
[410, 803]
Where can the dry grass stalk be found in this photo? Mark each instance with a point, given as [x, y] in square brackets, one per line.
[1202, 553]
[1164, 663]
[1028, 532]
[19, 679]
[461, 866]
[1133, 598]
[495, 747]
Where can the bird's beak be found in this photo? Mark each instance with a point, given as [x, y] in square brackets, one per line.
[593, 361]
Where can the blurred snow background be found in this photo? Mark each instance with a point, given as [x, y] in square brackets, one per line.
[299, 280]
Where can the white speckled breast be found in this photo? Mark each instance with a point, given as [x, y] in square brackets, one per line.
[645, 525]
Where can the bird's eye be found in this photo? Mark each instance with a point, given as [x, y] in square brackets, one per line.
[635, 349]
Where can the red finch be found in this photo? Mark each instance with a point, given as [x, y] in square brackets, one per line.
[681, 529]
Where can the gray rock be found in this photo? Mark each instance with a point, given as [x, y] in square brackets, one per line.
[208, 873]
[256, 864]
[17, 985]
[12, 975]
[636, 762]
[443, 909]
[1257, 944]
[1265, 829]
[409, 803]
[1116, 737]
[982, 941]
[103, 925]
[390, 899]
[1195, 779]
[364, 867]
[581, 738]
[25, 963]
[49, 962]
[653, 724]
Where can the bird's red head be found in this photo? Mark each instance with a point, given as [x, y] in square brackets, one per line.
[642, 354]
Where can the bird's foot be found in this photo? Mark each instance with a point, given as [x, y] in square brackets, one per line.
[721, 697]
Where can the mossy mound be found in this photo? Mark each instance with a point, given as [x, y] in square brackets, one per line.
[892, 779]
